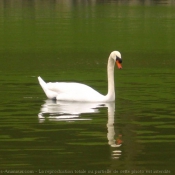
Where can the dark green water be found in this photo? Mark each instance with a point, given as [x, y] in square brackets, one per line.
[71, 41]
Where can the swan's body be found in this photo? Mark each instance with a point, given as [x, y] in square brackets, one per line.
[81, 92]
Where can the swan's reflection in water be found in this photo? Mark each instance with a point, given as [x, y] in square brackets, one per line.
[70, 111]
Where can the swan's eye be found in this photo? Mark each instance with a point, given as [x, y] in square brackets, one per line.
[118, 59]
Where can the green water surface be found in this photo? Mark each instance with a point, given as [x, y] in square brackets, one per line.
[71, 41]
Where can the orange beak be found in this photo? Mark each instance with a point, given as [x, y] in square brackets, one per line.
[119, 64]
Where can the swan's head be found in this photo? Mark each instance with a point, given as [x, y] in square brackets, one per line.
[116, 55]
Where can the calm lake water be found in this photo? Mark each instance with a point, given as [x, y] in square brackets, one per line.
[69, 40]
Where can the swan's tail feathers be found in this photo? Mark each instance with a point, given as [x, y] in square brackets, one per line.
[50, 94]
[42, 83]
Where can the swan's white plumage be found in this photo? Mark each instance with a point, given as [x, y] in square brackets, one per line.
[81, 92]
[69, 91]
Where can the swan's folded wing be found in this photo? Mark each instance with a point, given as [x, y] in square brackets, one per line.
[74, 92]
[63, 87]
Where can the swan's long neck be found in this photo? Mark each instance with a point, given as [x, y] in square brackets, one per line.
[110, 71]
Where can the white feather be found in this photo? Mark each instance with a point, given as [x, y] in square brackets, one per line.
[81, 92]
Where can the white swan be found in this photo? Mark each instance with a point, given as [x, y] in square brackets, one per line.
[81, 92]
